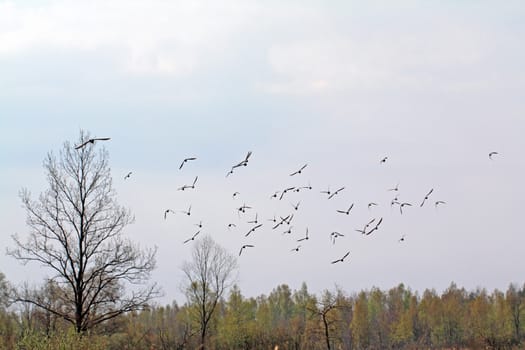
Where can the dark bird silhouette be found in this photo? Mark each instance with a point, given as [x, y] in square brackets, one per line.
[192, 238]
[402, 205]
[336, 192]
[166, 213]
[296, 248]
[186, 160]
[396, 189]
[327, 192]
[492, 154]
[402, 239]
[426, 197]
[243, 208]
[235, 194]
[363, 231]
[289, 231]
[285, 191]
[296, 206]
[244, 162]
[192, 186]
[273, 220]
[253, 230]
[308, 187]
[275, 195]
[305, 238]
[342, 259]
[244, 247]
[128, 175]
[299, 171]
[187, 212]
[383, 160]
[283, 220]
[347, 212]
[231, 225]
[92, 141]
[254, 221]
[439, 202]
[371, 204]
[375, 227]
[334, 236]
[199, 225]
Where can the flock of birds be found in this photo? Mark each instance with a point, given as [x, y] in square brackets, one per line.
[286, 221]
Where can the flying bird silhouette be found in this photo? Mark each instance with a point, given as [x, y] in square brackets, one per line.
[305, 238]
[371, 204]
[254, 221]
[402, 239]
[375, 227]
[168, 211]
[192, 238]
[92, 141]
[426, 197]
[299, 171]
[341, 259]
[347, 212]
[336, 192]
[187, 212]
[492, 154]
[128, 175]
[402, 205]
[235, 194]
[253, 230]
[186, 160]
[439, 202]
[244, 247]
[296, 206]
[383, 160]
[334, 235]
[285, 191]
[296, 248]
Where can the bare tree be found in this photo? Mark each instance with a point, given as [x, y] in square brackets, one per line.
[77, 233]
[208, 276]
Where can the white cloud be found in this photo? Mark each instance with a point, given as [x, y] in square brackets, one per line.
[166, 37]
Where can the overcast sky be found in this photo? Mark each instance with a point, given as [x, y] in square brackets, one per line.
[432, 85]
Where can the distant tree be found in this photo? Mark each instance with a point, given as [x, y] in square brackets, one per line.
[516, 302]
[211, 272]
[77, 233]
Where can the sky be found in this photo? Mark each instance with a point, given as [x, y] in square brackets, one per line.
[432, 85]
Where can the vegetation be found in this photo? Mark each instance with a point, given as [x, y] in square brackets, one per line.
[397, 318]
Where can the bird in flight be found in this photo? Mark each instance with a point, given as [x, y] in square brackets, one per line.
[308, 187]
[199, 225]
[336, 192]
[231, 225]
[334, 236]
[128, 175]
[426, 197]
[296, 206]
[341, 259]
[363, 231]
[235, 194]
[192, 238]
[168, 211]
[371, 204]
[244, 162]
[254, 221]
[187, 212]
[283, 220]
[347, 212]
[327, 192]
[305, 238]
[402, 239]
[299, 171]
[394, 188]
[92, 141]
[253, 230]
[383, 160]
[275, 195]
[439, 202]
[192, 186]
[244, 247]
[492, 154]
[289, 231]
[284, 192]
[186, 160]
[296, 248]
[375, 227]
[243, 208]
[404, 204]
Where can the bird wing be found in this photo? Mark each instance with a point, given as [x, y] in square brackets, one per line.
[100, 139]
[82, 144]
[346, 255]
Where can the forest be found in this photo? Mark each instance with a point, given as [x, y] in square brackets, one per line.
[398, 318]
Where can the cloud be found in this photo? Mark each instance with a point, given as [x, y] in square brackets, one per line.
[164, 37]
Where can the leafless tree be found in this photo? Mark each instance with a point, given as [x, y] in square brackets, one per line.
[211, 272]
[76, 231]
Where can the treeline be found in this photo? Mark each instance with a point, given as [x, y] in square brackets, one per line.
[373, 319]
